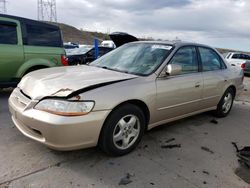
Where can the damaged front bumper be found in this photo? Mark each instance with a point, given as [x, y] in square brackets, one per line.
[57, 132]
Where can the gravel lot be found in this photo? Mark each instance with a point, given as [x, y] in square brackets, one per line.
[205, 158]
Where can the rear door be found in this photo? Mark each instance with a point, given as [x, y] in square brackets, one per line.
[11, 49]
[214, 76]
[180, 94]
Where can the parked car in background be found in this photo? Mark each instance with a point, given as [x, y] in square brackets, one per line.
[113, 100]
[86, 55]
[27, 45]
[81, 50]
[108, 43]
[238, 59]
[69, 47]
[118, 39]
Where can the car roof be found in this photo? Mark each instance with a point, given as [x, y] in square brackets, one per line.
[239, 53]
[175, 43]
[29, 21]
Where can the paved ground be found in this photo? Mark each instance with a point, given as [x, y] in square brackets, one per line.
[206, 157]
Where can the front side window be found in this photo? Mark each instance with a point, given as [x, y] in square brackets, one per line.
[186, 57]
[134, 58]
[8, 34]
[210, 59]
[43, 36]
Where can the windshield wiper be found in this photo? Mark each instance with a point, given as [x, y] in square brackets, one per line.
[105, 68]
[108, 68]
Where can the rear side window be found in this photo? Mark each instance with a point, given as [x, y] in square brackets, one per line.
[186, 57]
[241, 56]
[8, 34]
[43, 36]
[236, 56]
[210, 60]
[247, 57]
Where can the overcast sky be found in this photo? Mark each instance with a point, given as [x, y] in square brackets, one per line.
[219, 23]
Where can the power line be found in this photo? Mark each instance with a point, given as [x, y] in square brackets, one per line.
[46, 10]
[3, 8]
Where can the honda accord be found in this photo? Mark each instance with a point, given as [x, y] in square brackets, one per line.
[112, 101]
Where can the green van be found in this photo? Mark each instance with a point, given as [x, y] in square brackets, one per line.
[27, 45]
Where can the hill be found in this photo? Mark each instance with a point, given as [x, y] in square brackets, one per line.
[72, 34]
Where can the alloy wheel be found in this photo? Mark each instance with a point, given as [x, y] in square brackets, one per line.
[126, 131]
[228, 101]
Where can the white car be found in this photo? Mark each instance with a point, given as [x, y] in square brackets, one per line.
[108, 43]
[69, 47]
[237, 59]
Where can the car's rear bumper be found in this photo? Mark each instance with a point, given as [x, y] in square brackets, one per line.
[57, 132]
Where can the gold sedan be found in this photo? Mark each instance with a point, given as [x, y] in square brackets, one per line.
[115, 99]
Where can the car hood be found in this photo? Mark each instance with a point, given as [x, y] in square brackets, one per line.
[63, 81]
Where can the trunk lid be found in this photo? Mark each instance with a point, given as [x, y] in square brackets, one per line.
[120, 38]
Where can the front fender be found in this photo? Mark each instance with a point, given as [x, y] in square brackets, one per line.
[32, 63]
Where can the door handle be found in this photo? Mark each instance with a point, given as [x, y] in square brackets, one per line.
[197, 84]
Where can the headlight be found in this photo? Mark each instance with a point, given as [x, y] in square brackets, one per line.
[65, 107]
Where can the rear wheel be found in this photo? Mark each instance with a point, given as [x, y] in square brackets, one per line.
[122, 130]
[225, 104]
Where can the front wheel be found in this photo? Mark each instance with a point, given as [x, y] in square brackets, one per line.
[225, 104]
[122, 130]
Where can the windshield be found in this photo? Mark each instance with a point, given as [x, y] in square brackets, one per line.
[134, 58]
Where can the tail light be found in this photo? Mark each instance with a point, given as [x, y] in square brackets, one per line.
[243, 65]
[64, 60]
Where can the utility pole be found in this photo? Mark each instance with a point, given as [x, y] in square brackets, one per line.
[3, 8]
[46, 10]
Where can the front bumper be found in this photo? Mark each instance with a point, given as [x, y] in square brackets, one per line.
[57, 132]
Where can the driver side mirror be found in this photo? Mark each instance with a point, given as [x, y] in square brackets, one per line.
[172, 69]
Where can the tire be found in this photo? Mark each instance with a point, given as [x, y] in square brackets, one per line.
[225, 104]
[122, 130]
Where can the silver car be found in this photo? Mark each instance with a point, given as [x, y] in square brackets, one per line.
[115, 99]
